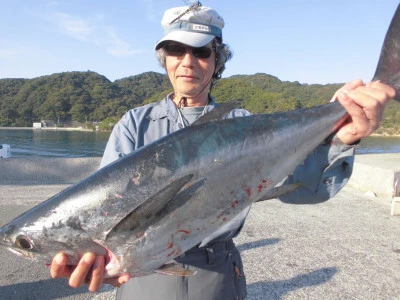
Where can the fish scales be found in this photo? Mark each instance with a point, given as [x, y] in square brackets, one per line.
[198, 179]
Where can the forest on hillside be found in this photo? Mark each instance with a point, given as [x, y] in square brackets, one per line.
[87, 98]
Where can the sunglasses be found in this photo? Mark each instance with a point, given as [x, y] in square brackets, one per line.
[180, 50]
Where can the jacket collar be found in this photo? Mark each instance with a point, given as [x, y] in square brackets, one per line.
[167, 108]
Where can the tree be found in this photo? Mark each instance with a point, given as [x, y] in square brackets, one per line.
[88, 96]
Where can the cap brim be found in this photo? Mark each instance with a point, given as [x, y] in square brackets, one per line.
[193, 39]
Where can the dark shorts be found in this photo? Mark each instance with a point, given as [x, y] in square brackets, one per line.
[219, 276]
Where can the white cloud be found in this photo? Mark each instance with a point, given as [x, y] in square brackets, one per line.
[74, 26]
[116, 46]
[89, 29]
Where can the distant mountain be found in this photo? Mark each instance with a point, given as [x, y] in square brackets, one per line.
[78, 97]
[73, 96]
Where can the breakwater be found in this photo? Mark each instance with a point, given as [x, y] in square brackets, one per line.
[375, 173]
[46, 170]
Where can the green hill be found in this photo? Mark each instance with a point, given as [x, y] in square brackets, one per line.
[74, 98]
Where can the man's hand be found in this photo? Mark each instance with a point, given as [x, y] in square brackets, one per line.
[90, 270]
[365, 104]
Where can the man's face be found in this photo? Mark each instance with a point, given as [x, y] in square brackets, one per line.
[189, 74]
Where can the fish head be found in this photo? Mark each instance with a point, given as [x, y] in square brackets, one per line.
[40, 242]
[26, 243]
[17, 242]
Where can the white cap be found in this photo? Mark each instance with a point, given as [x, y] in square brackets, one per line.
[195, 27]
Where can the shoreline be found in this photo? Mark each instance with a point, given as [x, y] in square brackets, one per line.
[385, 135]
[52, 129]
[93, 130]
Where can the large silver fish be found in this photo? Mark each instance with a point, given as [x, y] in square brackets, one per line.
[149, 207]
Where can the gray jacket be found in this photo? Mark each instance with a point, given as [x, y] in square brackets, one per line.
[217, 261]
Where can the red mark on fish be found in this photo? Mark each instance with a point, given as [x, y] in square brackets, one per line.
[263, 184]
[234, 204]
[169, 246]
[184, 231]
[171, 253]
[248, 191]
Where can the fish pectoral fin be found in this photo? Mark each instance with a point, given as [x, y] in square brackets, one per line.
[218, 113]
[175, 270]
[142, 215]
[280, 191]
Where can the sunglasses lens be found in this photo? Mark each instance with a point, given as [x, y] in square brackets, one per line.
[179, 50]
[175, 50]
[202, 52]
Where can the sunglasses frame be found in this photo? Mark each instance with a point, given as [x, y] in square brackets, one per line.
[180, 50]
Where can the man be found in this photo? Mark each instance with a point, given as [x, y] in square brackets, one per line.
[193, 54]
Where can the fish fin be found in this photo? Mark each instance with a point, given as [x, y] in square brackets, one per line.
[142, 215]
[182, 197]
[218, 112]
[280, 191]
[388, 68]
[175, 270]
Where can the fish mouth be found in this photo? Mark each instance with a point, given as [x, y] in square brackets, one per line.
[112, 263]
[21, 253]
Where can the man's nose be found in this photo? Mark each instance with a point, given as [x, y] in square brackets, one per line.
[188, 57]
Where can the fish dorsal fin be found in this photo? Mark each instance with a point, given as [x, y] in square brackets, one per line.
[142, 215]
[218, 112]
[174, 270]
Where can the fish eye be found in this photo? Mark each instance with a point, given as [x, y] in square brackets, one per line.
[24, 243]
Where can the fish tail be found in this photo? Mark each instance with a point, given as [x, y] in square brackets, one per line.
[388, 68]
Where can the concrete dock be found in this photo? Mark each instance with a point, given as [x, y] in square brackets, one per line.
[345, 248]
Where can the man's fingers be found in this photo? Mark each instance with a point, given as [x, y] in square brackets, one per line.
[59, 266]
[79, 275]
[90, 270]
[354, 110]
[348, 87]
[97, 274]
[368, 108]
[117, 281]
[365, 105]
[390, 91]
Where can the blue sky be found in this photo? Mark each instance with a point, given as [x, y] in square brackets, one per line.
[313, 41]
